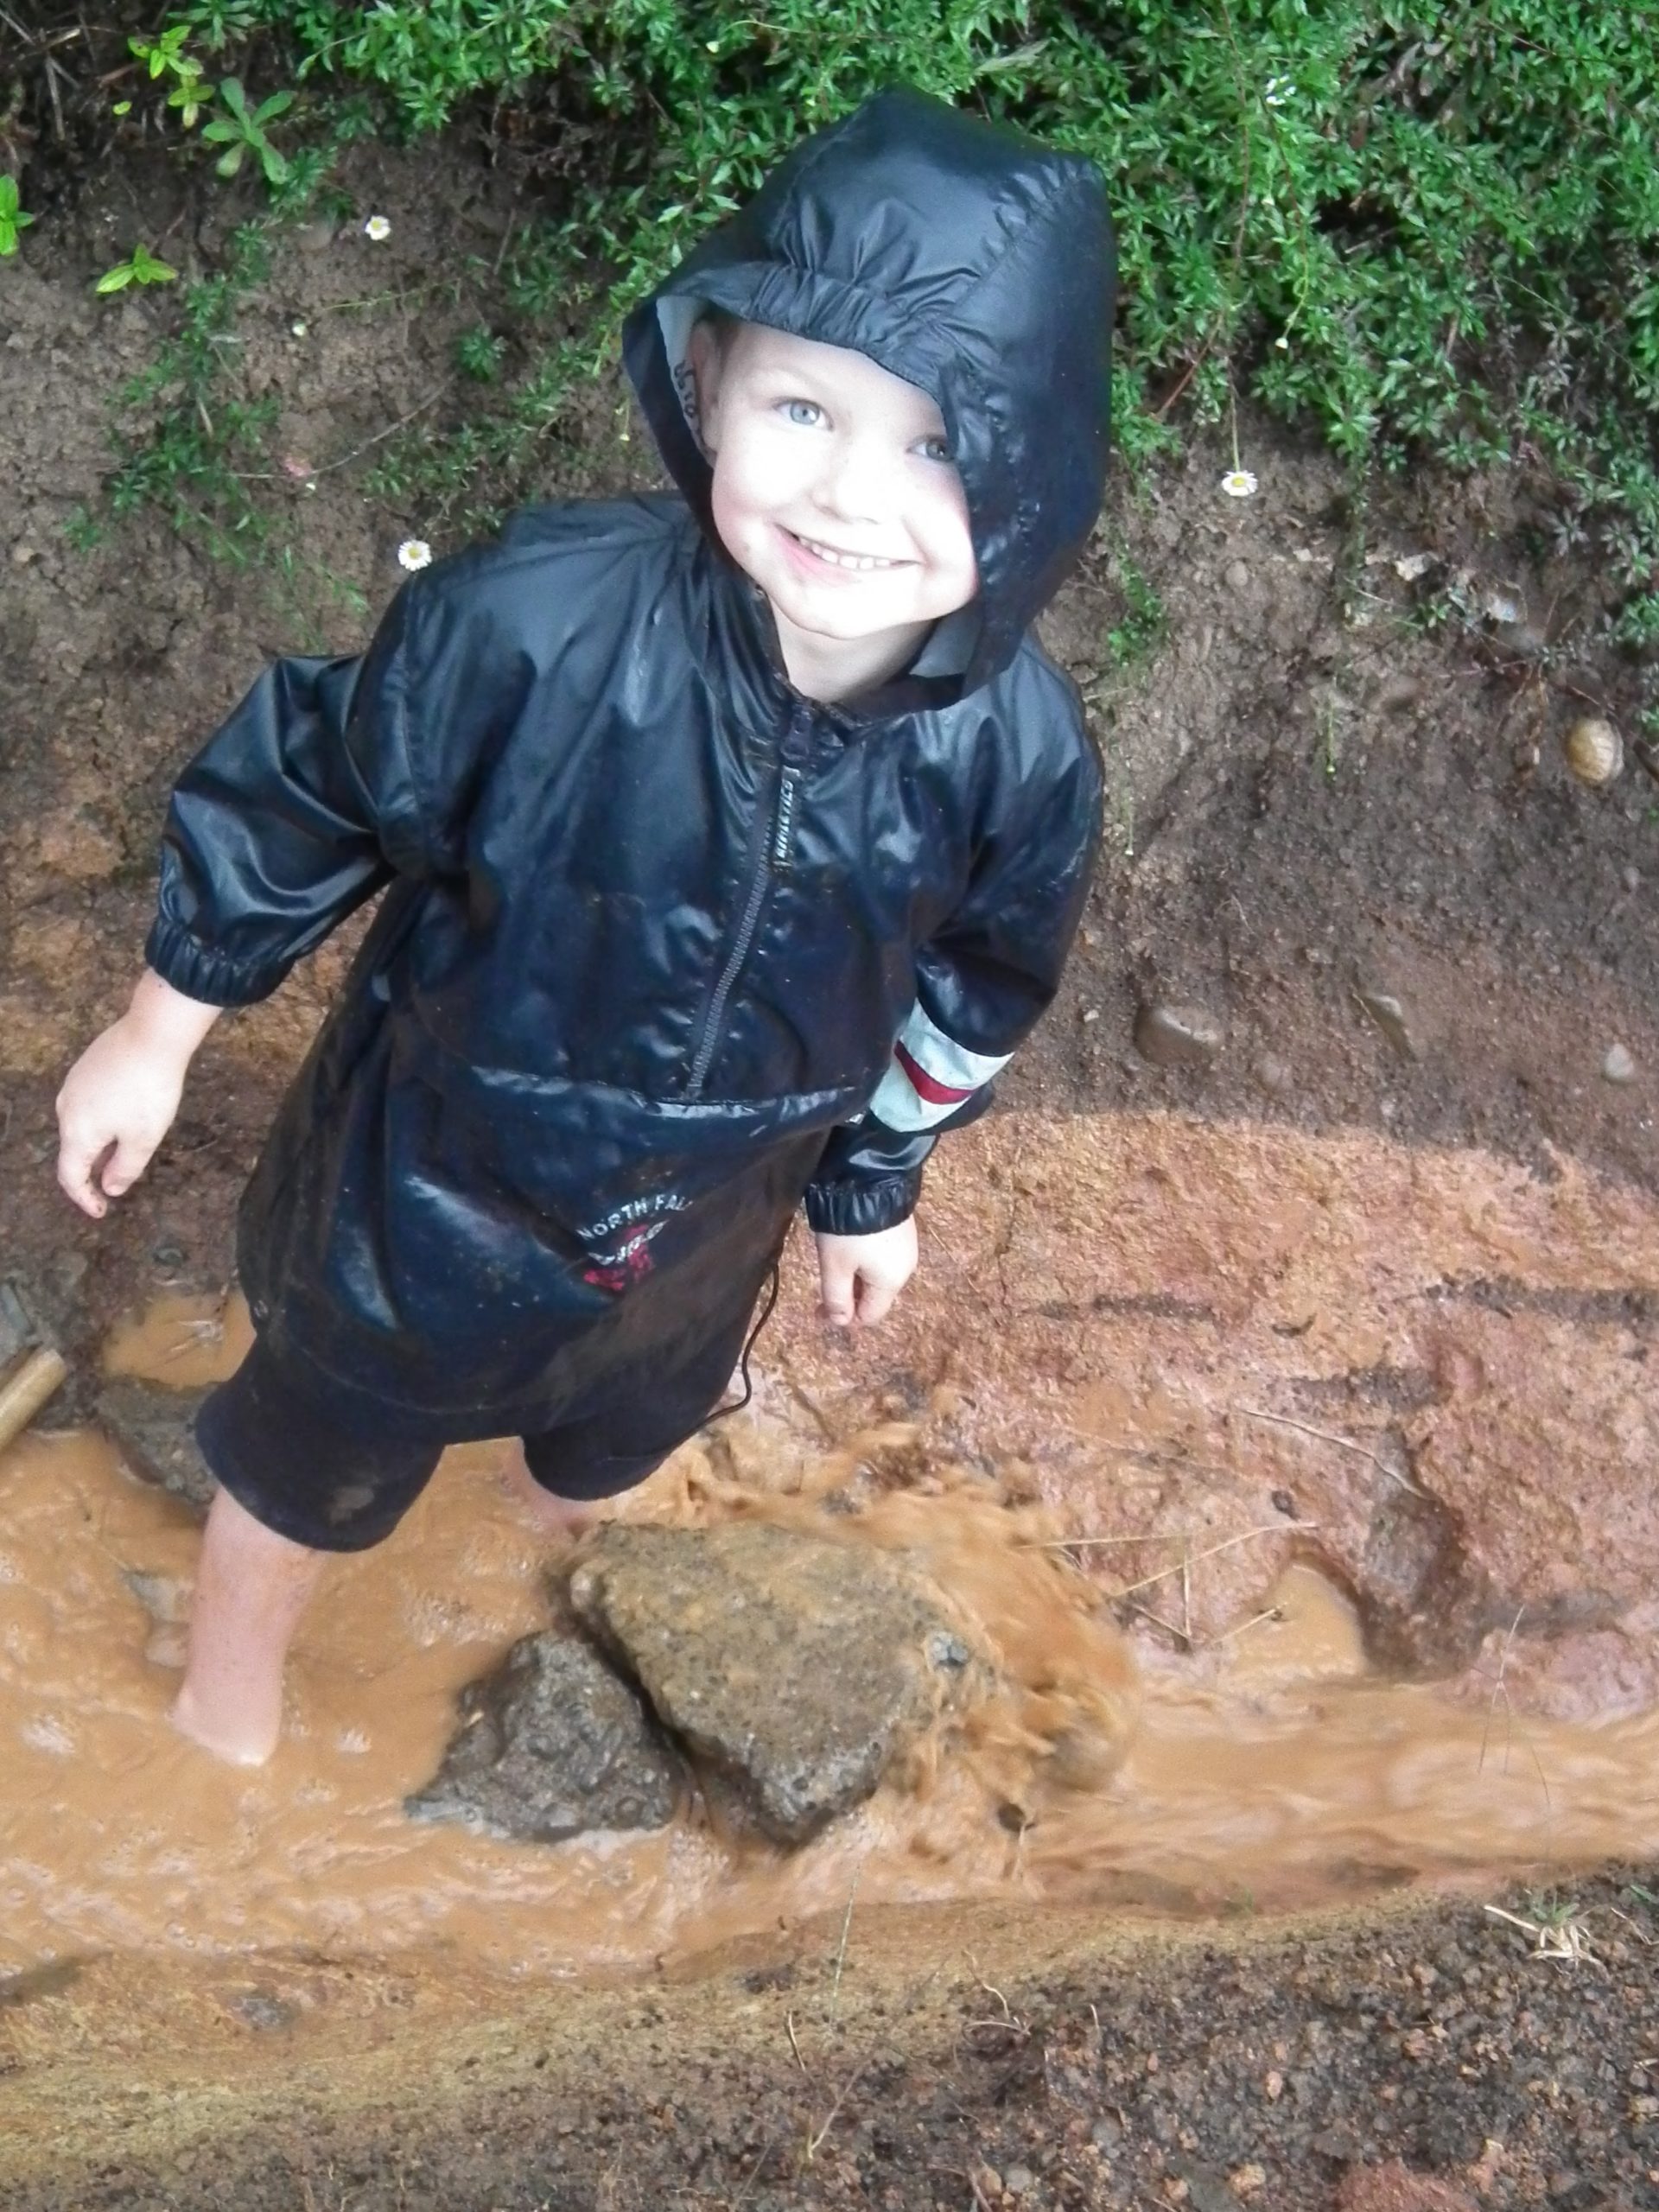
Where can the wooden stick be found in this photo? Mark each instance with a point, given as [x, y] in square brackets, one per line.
[27, 1390]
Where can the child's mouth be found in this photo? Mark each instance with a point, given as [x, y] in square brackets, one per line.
[822, 557]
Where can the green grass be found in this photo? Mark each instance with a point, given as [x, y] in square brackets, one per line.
[1428, 232]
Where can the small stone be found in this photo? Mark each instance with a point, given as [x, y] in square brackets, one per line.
[551, 1745]
[1593, 751]
[1090, 1013]
[154, 1432]
[1618, 1066]
[1176, 1036]
[1632, 878]
[987, 2180]
[1389, 1015]
[1247, 2182]
[1238, 576]
[316, 237]
[23, 553]
[1106, 2133]
[1272, 2086]
[1017, 2180]
[1271, 1075]
[1399, 693]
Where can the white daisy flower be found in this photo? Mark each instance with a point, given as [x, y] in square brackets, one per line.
[1238, 484]
[377, 228]
[414, 553]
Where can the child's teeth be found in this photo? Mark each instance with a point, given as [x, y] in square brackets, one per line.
[843, 560]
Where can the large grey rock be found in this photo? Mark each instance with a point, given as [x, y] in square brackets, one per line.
[794, 1669]
[550, 1745]
[154, 1432]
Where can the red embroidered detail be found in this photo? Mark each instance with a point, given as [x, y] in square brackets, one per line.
[927, 1086]
[633, 1263]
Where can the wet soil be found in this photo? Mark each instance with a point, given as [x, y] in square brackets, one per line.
[1317, 803]
[946, 2062]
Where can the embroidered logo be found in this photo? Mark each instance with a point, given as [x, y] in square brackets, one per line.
[616, 1262]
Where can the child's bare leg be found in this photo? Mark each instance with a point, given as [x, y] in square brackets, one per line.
[252, 1587]
[555, 1516]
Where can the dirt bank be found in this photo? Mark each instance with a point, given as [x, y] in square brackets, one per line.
[948, 2062]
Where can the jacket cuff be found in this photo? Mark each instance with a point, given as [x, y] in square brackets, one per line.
[861, 1209]
[199, 972]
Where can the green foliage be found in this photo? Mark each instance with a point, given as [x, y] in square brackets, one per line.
[242, 131]
[477, 354]
[168, 56]
[1424, 229]
[140, 268]
[13, 220]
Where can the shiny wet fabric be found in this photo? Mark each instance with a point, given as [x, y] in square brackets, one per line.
[654, 926]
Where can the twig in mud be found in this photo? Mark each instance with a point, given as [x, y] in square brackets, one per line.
[815, 2143]
[1158, 1536]
[1631, 1924]
[755, 2172]
[1498, 1691]
[1189, 1561]
[1186, 1594]
[1158, 1621]
[270, 475]
[1330, 1436]
[789, 2021]
[840, 1954]
[1272, 1613]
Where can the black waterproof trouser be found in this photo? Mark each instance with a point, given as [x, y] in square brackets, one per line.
[332, 1469]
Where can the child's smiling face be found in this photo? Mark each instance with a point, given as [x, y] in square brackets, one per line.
[833, 491]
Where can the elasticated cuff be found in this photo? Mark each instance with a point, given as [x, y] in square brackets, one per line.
[861, 1209]
[201, 973]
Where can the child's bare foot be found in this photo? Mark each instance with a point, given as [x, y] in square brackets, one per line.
[554, 1517]
[239, 1737]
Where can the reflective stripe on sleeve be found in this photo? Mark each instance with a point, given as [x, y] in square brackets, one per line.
[929, 1077]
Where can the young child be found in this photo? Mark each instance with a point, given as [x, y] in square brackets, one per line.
[730, 842]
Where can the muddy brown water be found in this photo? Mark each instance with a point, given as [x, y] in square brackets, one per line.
[1284, 1768]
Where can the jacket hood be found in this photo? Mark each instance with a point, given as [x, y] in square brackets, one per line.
[962, 256]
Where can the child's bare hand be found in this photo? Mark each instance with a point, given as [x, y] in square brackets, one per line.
[118, 1099]
[860, 1276]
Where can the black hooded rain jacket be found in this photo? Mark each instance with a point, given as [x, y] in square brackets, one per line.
[665, 946]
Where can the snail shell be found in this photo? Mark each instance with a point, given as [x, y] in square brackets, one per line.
[1594, 750]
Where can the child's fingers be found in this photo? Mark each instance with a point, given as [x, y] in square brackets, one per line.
[77, 1158]
[875, 1297]
[126, 1164]
[837, 1276]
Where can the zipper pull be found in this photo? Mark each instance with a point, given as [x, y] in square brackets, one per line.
[795, 750]
[780, 836]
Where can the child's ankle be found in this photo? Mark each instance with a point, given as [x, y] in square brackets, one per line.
[238, 1738]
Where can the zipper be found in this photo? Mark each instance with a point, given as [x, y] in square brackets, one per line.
[773, 854]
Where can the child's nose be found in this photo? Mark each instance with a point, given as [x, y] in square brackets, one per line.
[857, 484]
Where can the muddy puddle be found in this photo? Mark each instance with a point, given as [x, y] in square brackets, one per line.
[1192, 1716]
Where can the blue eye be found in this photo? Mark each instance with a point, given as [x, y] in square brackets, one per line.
[935, 449]
[808, 415]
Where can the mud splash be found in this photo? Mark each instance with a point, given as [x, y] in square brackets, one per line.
[1250, 1750]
